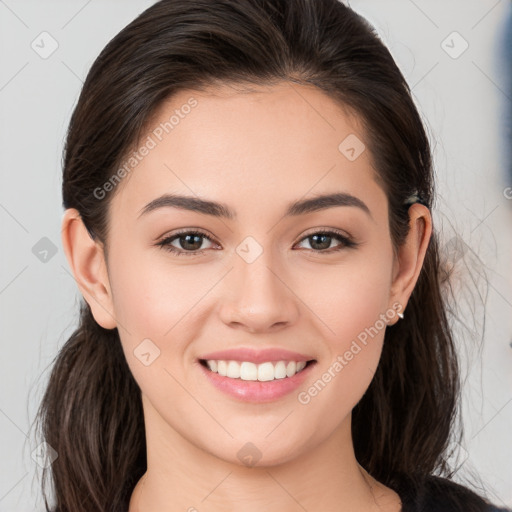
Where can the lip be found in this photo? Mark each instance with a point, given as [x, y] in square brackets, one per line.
[272, 355]
[256, 391]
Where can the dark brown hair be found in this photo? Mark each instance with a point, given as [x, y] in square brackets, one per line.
[91, 413]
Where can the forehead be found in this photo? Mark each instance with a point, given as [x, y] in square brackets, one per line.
[248, 148]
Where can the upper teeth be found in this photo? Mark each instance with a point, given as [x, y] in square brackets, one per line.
[250, 371]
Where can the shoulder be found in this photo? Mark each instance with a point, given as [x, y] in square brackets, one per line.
[437, 494]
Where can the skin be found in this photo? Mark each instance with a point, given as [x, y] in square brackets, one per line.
[256, 152]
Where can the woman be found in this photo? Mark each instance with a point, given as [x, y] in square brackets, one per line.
[248, 191]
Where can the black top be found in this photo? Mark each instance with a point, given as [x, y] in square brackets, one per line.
[436, 494]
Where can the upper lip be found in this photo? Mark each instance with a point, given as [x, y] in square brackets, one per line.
[256, 356]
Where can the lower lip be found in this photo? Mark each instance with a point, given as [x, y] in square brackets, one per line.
[256, 391]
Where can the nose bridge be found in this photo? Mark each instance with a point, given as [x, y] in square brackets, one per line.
[259, 299]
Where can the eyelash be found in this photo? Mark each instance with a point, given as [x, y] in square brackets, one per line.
[346, 242]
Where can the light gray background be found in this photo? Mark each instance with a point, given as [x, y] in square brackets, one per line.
[462, 100]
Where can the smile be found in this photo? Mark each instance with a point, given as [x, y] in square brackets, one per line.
[246, 370]
[247, 381]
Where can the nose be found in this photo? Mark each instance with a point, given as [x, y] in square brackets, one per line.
[257, 297]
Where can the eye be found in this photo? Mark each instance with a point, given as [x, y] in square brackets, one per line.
[189, 243]
[319, 241]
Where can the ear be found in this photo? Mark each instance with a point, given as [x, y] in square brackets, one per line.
[86, 259]
[410, 256]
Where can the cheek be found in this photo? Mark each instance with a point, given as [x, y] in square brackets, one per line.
[348, 298]
[351, 304]
[354, 343]
[151, 296]
[157, 306]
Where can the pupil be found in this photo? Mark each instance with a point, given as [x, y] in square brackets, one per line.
[187, 242]
[326, 241]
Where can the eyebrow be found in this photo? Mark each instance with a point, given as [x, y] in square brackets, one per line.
[221, 210]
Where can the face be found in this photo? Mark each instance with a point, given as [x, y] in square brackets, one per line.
[315, 281]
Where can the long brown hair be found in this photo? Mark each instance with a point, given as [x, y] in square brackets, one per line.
[91, 413]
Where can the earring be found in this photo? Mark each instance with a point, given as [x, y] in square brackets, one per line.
[400, 316]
